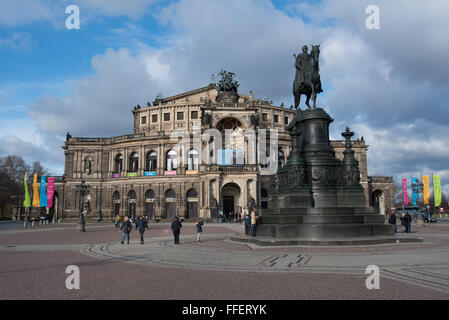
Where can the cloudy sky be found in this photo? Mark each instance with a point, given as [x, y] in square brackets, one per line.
[389, 85]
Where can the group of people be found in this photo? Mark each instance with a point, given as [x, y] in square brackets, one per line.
[230, 218]
[142, 225]
[126, 227]
[406, 221]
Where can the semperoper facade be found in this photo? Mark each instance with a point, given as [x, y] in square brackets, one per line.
[141, 173]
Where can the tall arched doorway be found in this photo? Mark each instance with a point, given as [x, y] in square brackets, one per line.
[231, 201]
[192, 204]
[378, 199]
[170, 204]
[132, 199]
[150, 199]
[116, 203]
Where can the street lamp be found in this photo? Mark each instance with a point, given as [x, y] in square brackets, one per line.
[419, 187]
[83, 189]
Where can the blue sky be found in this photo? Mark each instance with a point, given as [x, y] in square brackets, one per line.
[389, 85]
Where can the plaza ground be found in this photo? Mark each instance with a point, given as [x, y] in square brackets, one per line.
[33, 264]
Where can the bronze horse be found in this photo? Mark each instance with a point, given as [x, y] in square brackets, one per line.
[312, 86]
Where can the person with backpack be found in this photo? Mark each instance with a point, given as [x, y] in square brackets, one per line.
[142, 225]
[253, 222]
[126, 228]
[117, 221]
[176, 228]
[199, 228]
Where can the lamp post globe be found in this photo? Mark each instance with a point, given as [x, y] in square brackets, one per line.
[83, 190]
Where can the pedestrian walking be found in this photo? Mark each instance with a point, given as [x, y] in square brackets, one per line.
[176, 228]
[126, 228]
[392, 220]
[240, 217]
[199, 228]
[117, 221]
[247, 221]
[402, 218]
[408, 222]
[231, 217]
[142, 226]
[253, 222]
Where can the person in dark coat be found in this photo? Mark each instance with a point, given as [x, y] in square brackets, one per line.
[199, 229]
[408, 222]
[247, 221]
[176, 228]
[126, 228]
[402, 218]
[142, 225]
[392, 220]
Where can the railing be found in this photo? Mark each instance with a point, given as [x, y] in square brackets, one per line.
[238, 168]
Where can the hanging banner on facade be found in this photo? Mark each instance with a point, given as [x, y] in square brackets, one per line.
[36, 203]
[43, 202]
[50, 191]
[426, 189]
[27, 202]
[415, 191]
[437, 190]
[404, 191]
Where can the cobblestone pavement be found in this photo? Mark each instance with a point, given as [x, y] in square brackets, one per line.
[33, 264]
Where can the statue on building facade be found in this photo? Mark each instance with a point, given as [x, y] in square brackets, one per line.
[307, 79]
[227, 82]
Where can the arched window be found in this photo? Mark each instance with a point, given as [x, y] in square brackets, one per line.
[192, 161]
[172, 160]
[170, 204]
[149, 204]
[116, 203]
[133, 162]
[118, 163]
[151, 163]
[132, 204]
[192, 204]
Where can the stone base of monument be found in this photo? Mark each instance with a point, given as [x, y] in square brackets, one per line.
[324, 242]
[317, 199]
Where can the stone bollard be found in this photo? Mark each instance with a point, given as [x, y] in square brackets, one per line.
[32, 223]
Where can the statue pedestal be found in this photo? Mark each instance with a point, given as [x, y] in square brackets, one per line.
[317, 196]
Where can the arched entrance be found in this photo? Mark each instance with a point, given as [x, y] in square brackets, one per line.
[231, 201]
[378, 199]
[132, 199]
[192, 204]
[170, 204]
[150, 199]
[116, 203]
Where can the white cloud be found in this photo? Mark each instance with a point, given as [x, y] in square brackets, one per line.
[389, 86]
[19, 41]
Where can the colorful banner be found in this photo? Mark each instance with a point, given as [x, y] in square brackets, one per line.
[404, 191]
[27, 202]
[36, 203]
[437, 190]
[43, 202]
[50, 191]
[415, 191]
[426, 189]
[150, 173]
